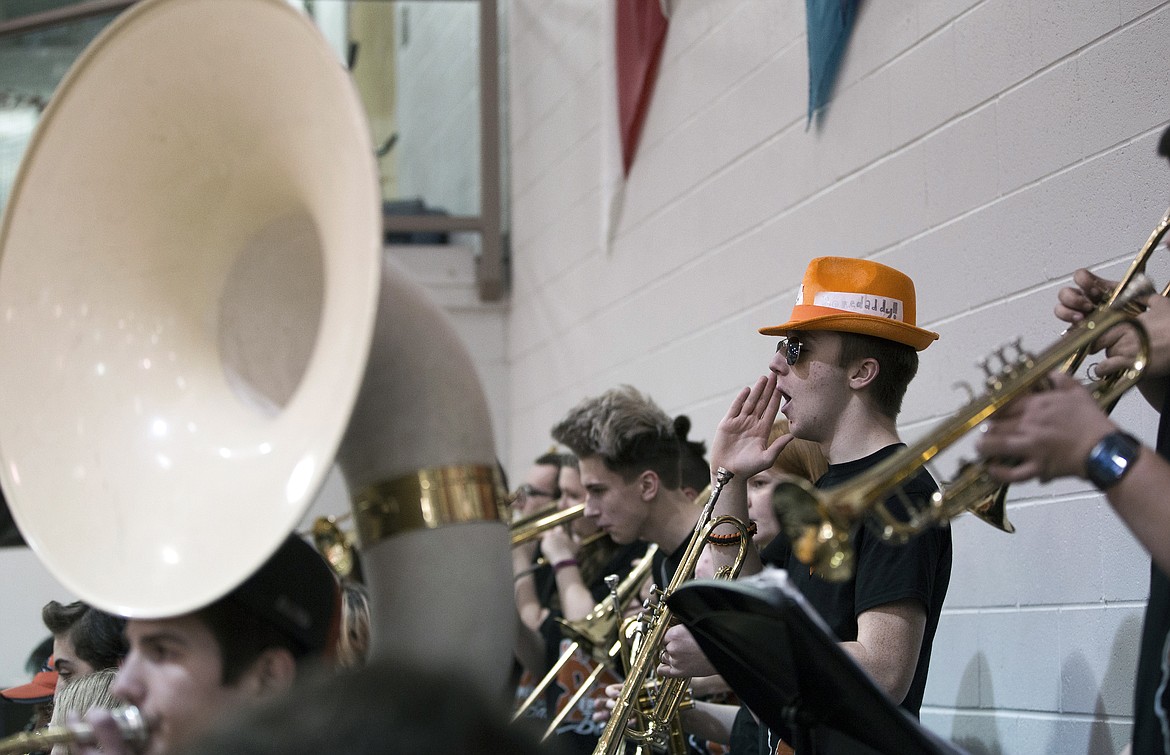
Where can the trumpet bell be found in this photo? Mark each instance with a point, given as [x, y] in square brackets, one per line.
[189, 271]
[817, 539]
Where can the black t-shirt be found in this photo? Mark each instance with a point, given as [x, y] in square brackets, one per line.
[665, 565]
[1151, 687]
[883, 572]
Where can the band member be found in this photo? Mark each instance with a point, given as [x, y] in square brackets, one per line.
[382, 707]
[840, 371]
[629, 459]
[570, 583]
[85, 639]
[629, 453]
[185, 671]
[1062, 432]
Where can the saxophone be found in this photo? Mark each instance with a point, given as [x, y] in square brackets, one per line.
[654, 706]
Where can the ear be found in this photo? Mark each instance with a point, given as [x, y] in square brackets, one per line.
[648, 484]
[273, 672]
[863, 372]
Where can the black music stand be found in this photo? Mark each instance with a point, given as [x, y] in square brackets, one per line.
[781, 659]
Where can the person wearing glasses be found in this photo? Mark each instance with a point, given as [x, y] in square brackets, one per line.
[538, 491]
[577, 558]
[845, 359]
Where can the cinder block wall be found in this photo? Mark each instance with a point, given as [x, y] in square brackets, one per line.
[988, 148]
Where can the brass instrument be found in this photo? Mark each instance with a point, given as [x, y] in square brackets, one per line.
[203, 338]
[534, 525]
[819, 521]
[335, 544]
[596, 634]
[1137, 269]
[988, 498]
[655, 707]
[131, 725]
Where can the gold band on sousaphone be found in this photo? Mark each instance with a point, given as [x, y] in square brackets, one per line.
[426, 499]
[200, 322]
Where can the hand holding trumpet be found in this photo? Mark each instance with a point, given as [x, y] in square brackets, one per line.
[1046, 435]
[1119, 344]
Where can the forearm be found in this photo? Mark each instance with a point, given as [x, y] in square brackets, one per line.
[1140, 500]
[733, 502]
[528, 606]
[705, 686]
[530, 650]
[576, 599]
[709, 721]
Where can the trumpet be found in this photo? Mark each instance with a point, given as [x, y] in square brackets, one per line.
[534, 525]
[656, 710]
[819, 521]
[988, 497]
[131, 725]
[1137, 269]
[596, 633]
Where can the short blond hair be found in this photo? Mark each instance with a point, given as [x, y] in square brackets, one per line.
[84, 693]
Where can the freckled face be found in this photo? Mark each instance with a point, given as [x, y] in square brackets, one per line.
[616, 505]
[815, 389]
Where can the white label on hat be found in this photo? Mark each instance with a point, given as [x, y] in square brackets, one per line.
[800, 295]
[866, 304]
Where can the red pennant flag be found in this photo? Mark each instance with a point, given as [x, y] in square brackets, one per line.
[641, 35]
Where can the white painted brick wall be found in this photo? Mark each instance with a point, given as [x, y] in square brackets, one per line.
[437, 104]
[987, 147]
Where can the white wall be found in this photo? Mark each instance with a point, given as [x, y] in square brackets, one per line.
[437, 107]
[986, 147]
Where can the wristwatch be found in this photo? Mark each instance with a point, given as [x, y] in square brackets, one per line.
[1111, 458]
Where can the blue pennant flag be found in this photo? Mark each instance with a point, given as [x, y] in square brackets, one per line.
[829, 25]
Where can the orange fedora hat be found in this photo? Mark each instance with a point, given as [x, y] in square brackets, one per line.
[856, 296]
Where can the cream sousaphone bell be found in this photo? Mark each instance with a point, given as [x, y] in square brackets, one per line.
[191, 278]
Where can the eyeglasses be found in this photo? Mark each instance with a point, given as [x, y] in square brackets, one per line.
[530, 491]
[791, 347]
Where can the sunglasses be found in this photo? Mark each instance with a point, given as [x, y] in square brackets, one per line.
[791, 348]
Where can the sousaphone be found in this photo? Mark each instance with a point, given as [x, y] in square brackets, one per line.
[195, 312]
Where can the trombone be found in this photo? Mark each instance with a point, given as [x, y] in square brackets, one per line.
[534, 525]
[596, 634]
